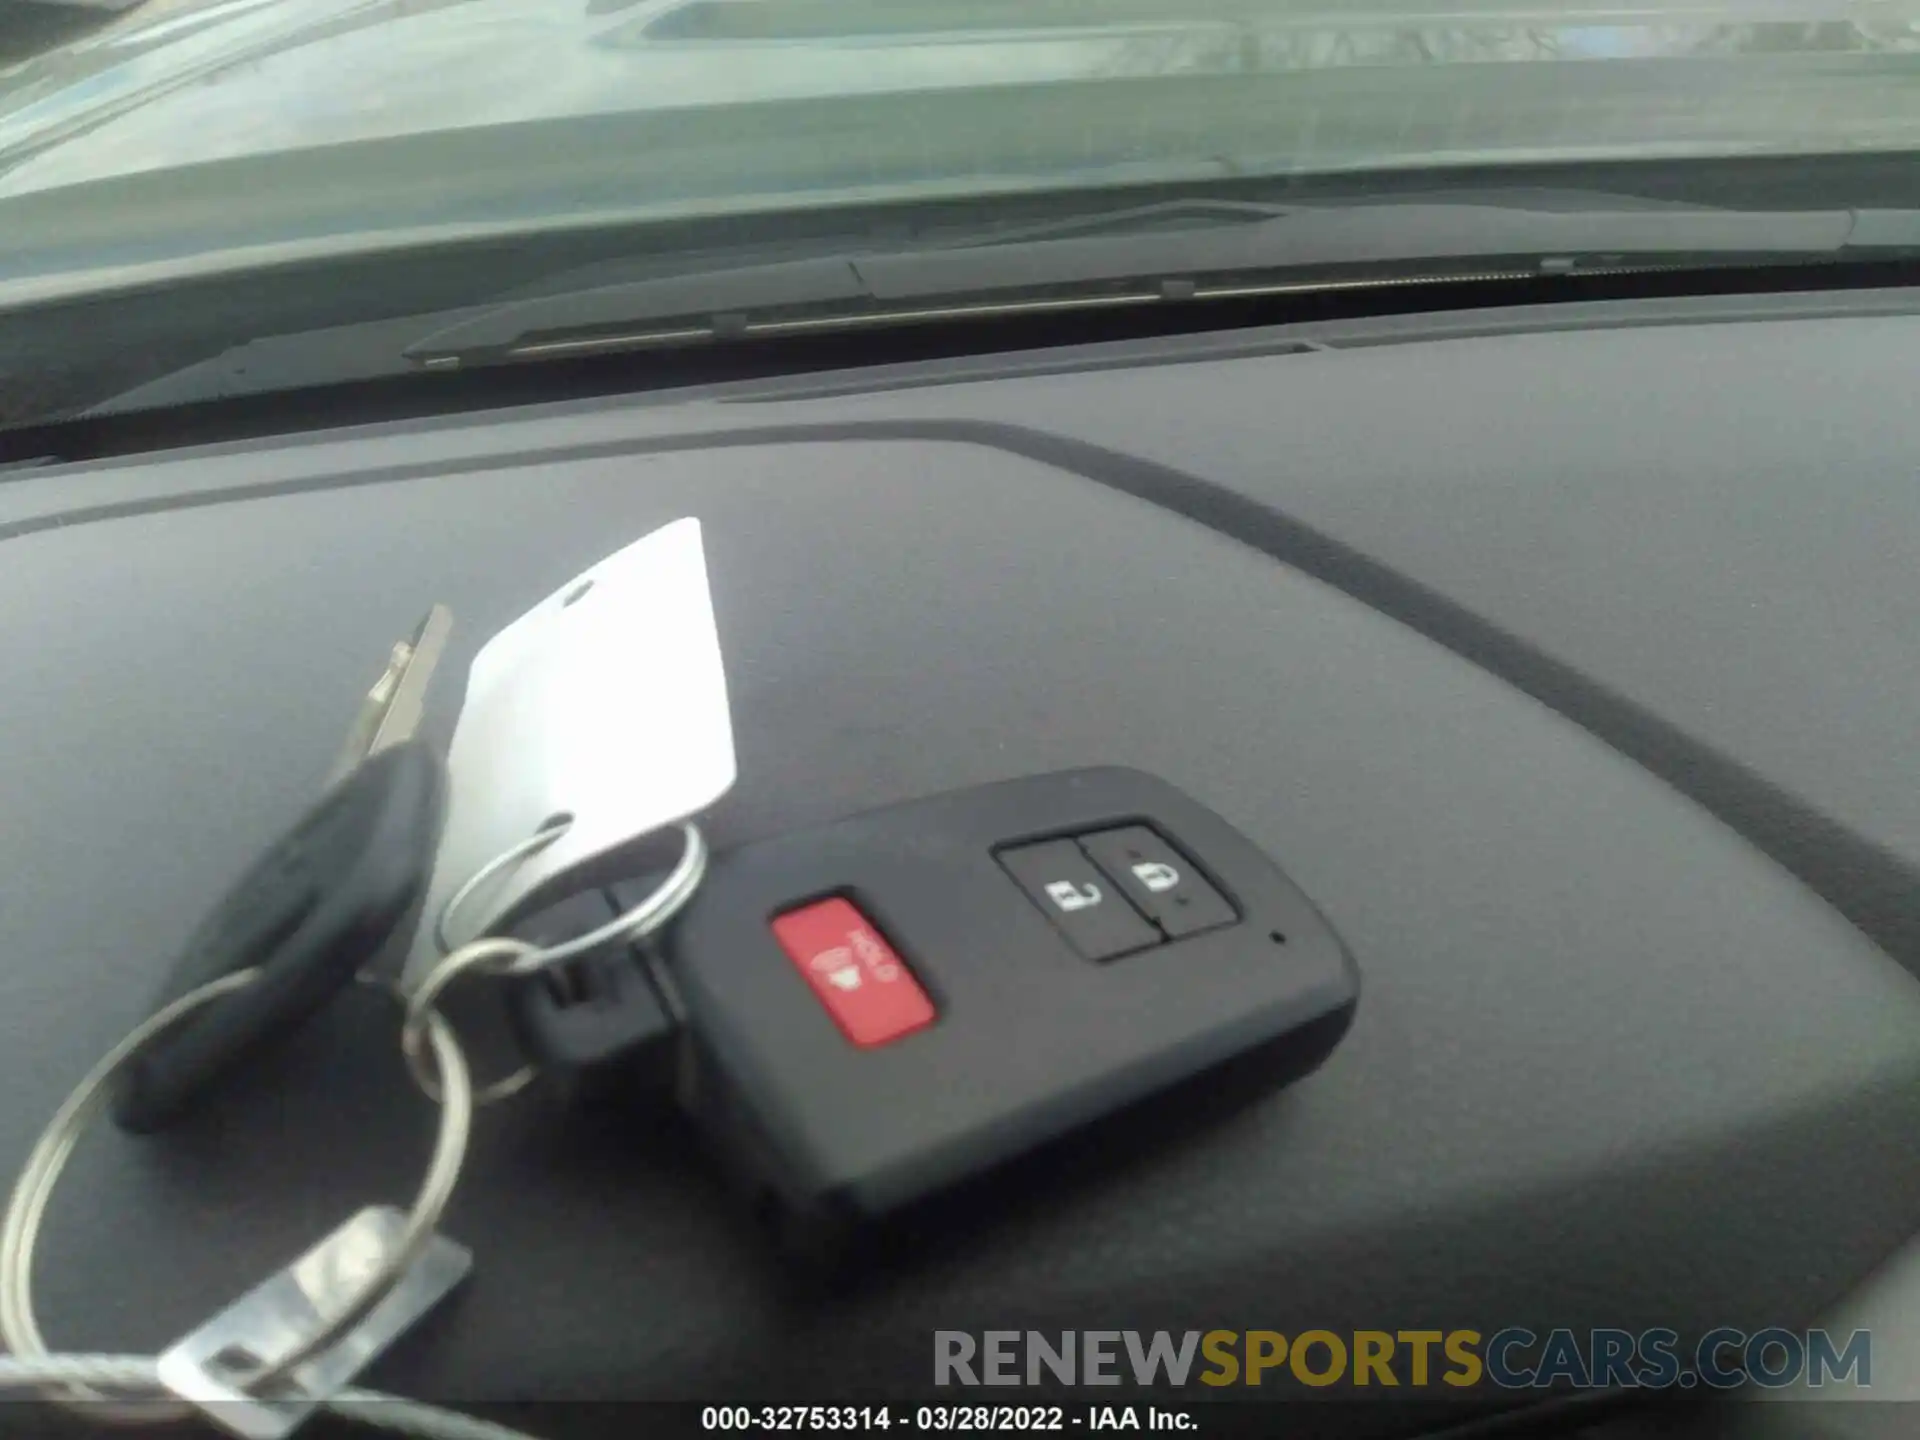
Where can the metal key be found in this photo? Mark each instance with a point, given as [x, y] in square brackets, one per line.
[391, 712]
[318, 907]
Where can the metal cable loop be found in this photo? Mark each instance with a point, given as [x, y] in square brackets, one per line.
[33, 1191]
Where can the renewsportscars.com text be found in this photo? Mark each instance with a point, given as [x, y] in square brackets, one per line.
[1510, 1359]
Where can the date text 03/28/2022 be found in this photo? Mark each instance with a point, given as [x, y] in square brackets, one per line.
[935, 1419]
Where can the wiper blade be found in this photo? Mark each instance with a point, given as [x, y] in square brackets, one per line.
[1288, 249]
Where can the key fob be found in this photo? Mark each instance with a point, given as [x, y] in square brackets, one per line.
[878, 1009]
[311, 912]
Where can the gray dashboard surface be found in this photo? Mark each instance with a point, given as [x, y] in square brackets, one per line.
[1612, 1064]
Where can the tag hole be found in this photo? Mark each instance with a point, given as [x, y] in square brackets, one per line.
[234, 1361]
[1277, 937]
[578, 592]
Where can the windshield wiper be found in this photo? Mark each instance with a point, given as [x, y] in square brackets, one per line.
[1180, 251]
[1233, 252]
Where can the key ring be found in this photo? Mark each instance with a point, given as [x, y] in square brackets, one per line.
[632, 925]
[27, 1206]
[501, 955]
[493, 955]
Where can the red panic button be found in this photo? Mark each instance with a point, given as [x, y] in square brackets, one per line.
[868, 989]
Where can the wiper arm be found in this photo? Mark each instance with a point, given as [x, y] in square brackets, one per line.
[1275, 253]
[1126, 256]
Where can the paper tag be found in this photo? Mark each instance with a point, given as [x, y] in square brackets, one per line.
[607, 702]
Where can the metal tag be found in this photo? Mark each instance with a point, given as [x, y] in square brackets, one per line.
[274, 1316]
[606, 702]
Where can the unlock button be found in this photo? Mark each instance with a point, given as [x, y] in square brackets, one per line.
[1088, 907]
[1159, 879]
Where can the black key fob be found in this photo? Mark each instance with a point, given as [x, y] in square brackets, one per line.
[310, 913]
[878, 1009]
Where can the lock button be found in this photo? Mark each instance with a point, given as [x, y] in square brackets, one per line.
[1083, 903]
[1166, 886]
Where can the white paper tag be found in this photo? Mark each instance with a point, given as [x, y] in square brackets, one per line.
[607, 702]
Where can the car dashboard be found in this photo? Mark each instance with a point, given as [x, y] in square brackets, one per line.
[1566, 657]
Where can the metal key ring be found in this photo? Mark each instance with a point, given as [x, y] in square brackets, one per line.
[513, 854]
[634, 924]
[501, 955]
[33, 1191]
[492, 955]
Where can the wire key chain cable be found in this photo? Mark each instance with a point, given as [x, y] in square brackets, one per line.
[439, 1066]
[72, 1379]
[366, 1407]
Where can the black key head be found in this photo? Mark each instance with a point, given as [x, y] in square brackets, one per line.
[310, 913]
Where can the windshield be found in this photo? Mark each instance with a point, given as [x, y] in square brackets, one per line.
[1274, 85]
[187, 138]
